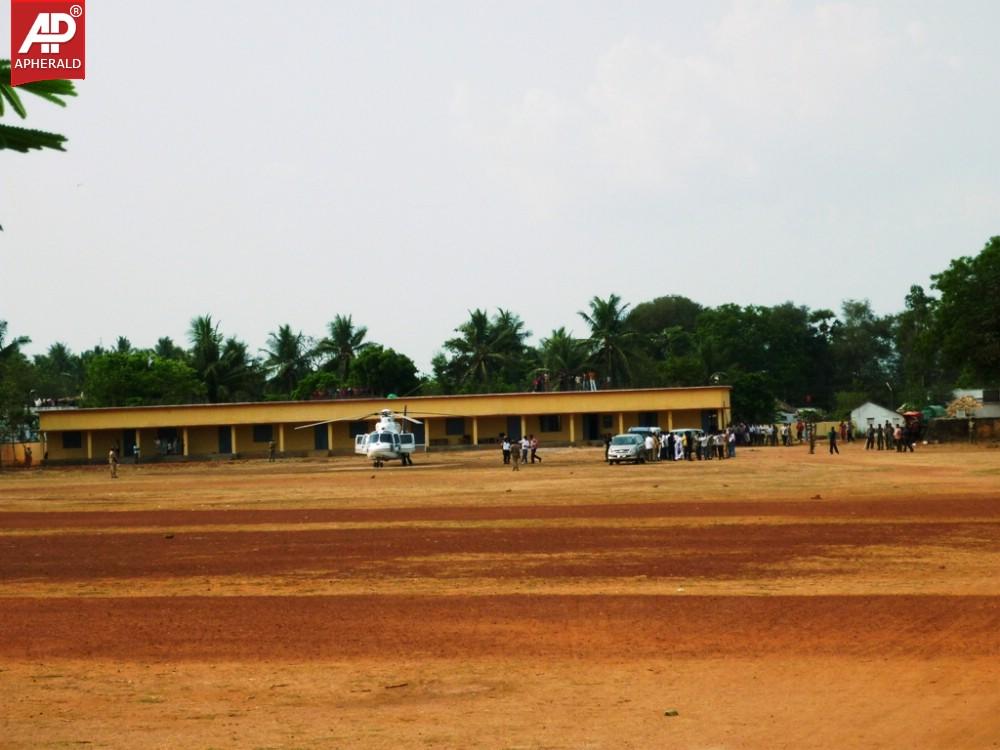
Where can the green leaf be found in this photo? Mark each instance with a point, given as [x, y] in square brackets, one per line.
[10, 95]
[24, 140]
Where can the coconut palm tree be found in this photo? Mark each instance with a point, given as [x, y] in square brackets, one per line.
[563, 357]
[11, 349]
[287, 359]
[612, 341]
[223, 365]
[342, 345]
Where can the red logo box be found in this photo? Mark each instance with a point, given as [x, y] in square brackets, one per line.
[47, 40]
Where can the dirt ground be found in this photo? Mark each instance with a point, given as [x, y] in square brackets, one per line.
[779, 600]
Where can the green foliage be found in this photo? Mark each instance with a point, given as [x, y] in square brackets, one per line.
[382, 371]
[317, 385]
[488, 355]
[224, 366]
[564, 358]
[753, 398]
[341, 346]
[612, 340]
[139, 379]
[288, 360]
[23, 139]
[15, 386]
[968, 316]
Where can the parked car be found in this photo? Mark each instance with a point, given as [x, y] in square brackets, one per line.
[645, 431]
[627, 447]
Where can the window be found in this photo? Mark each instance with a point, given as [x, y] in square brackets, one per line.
[648, 419]
[72, 440]
[263, 433]
[550, 423]
[454, 426]
[607, 421]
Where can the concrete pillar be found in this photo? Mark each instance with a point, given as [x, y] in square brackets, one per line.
[572, 429]
[719, 424]
[427, 433]
[621, 422]
[138, 440]
[524, 426]
[90, 445]
[329, 437]
[232, 439]
[281, 438]
[670, 420]
[475, 430]
[184, 440]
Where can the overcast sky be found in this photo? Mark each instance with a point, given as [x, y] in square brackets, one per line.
[273, 163]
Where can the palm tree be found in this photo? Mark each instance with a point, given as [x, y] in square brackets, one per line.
[13, 348]
[23, 139]
[342, 345]
[479, 350]
[611, 340]
[206, 351]
[287, 360]
[563, 357]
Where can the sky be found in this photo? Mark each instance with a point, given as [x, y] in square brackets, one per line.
[406, 162]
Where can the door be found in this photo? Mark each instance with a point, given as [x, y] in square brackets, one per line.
[128, 442]
[418, 433]
[320, 442]
[591, 427]
[225, 440]
[708, 420]
[514, 428]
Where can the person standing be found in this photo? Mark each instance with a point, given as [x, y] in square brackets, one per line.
[515, 459]
[833, 441]
[135, 452]
[812, 437]
[648, 444]
[505, 447]
[113, 463]
[880, 438]
[870, 442]
[27, 457]
[607, 445]
[533, 442]
[525, 447]
[888, 435]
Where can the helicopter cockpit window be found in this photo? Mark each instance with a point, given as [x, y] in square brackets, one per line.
[385, 437]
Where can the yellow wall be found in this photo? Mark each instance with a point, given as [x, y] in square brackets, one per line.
[202, 420]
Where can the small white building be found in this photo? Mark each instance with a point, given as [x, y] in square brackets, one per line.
[872, 415]
[988, 398]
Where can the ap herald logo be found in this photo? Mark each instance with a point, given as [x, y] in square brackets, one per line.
[46, 40]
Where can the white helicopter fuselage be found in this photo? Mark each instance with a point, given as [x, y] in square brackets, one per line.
[387, 442]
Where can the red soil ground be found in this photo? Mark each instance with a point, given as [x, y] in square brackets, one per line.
[778, 600]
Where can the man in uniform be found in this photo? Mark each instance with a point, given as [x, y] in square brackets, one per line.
[113, 463]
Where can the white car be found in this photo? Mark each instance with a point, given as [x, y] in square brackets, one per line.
[627, 447]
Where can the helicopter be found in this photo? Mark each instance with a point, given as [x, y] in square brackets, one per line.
[387, 442]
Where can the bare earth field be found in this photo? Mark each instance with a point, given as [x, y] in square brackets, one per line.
[779, 600]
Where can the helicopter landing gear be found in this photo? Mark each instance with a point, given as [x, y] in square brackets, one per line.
[377, 463]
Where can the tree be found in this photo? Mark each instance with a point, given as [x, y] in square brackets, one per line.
[166, 349]
[22, 139]
[58, 373]
[564, 358]
[342, 345]
[15, 386]
[383, 371]
[915, 339]
[139, 379]
[287, 360]
[612, 341]
[861, 347]
[486, 352]
[224, 366]
[753, 398]
[968, 316]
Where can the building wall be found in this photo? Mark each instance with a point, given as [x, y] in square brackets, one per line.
[683, 405]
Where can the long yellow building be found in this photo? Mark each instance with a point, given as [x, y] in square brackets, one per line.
[230, 430]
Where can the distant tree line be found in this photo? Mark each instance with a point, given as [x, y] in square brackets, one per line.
[805, 357]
